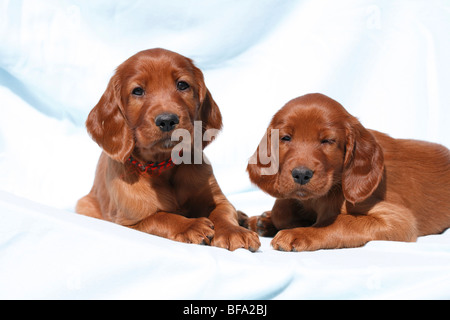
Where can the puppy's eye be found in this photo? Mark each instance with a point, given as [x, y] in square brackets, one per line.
[327, 141]
[182, 85]
[286, 138]
[138, 91]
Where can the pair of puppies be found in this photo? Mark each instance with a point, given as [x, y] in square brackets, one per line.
[337, 184]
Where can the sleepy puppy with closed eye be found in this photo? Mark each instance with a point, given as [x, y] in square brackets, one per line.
[136, 183]
[340, 185]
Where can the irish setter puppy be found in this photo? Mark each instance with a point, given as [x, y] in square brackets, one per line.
[137, 184]
[339, 185]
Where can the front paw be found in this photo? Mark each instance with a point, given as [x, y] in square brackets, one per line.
[298, 239]
[235, 237]
[197, 230]
[262, 225]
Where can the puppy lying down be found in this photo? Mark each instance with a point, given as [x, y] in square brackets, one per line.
[340, 185]
[137, 184]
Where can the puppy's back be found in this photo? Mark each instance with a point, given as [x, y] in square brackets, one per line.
[418, 174]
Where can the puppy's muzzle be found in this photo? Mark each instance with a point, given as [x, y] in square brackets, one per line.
[302, 175]
[167, 121]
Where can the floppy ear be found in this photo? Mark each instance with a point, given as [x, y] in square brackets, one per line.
[363, 164]
[208, 111]
[107, 126]
[263, 166]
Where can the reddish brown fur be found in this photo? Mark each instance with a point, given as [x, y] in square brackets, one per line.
[183, 203]
[366, 185]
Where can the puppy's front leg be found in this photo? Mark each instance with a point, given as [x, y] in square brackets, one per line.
[176, 227]
[383, 222]
[228, 233]
[285, 214]
[262, 224]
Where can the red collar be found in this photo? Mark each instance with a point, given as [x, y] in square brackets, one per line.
[151, 167]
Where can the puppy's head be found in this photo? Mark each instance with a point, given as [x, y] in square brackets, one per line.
[320, 146]
[150, 95]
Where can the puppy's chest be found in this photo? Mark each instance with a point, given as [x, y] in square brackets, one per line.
[175, 198]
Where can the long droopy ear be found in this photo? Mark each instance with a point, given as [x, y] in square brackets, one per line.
[208, 111]
[107, 125]
[363, 164]
[263, 165]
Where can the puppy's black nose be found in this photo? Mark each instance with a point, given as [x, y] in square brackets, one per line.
[302, 175]
[167, 121]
